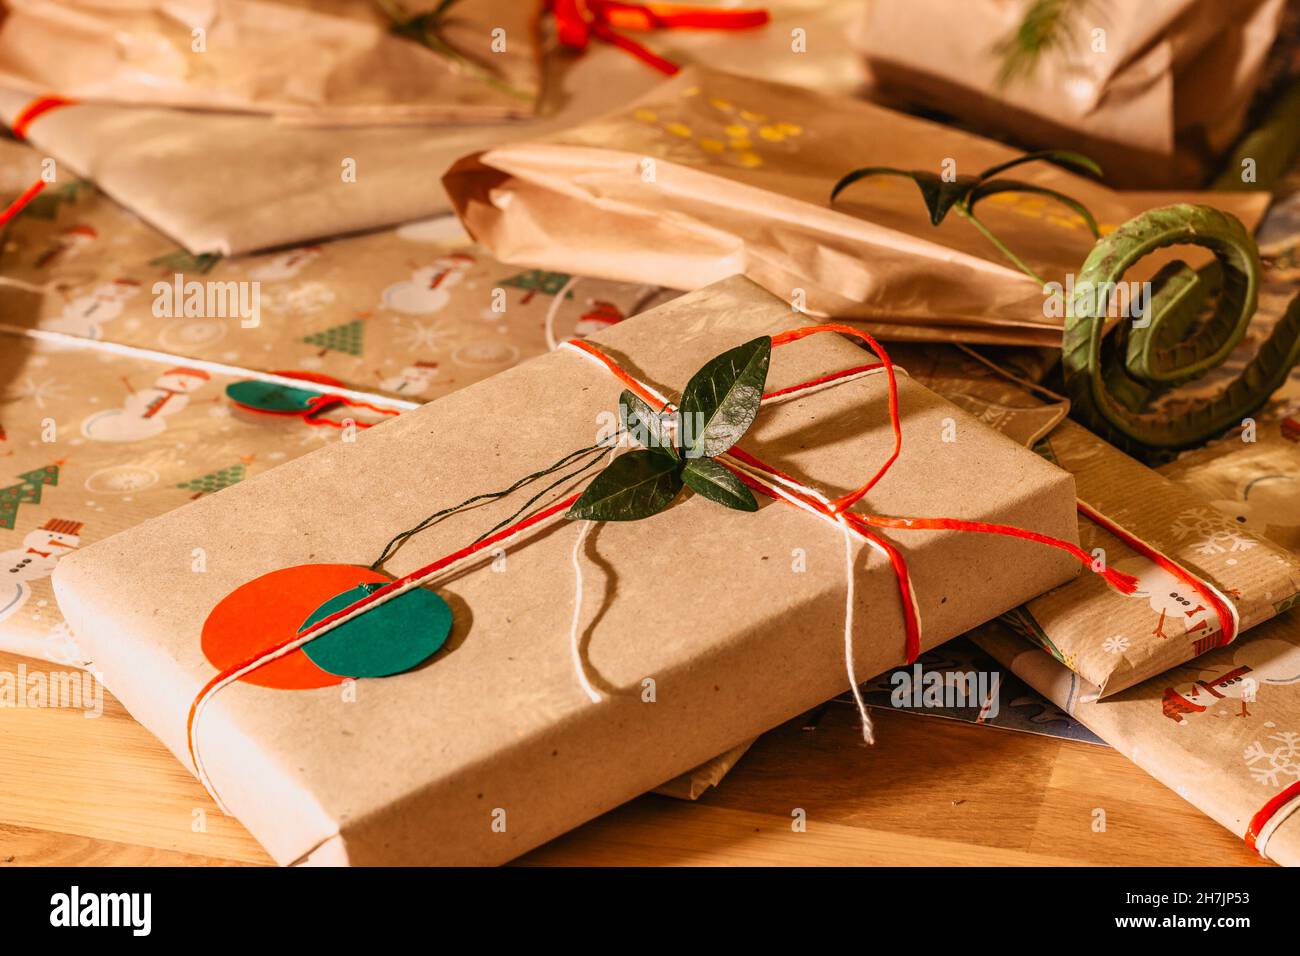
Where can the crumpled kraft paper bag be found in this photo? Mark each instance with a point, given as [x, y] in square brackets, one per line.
[233, 183]
[713, 174]
[1222, 731]
[334, 62]
[706, 601]
[1156, 105]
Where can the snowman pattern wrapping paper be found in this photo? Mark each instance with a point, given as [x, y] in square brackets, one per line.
[411, 313]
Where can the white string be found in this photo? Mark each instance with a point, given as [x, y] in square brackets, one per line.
[868, 729]
[1268, 829]
[199, 768]
[574, 649]
[25, 286]
[553, 309]
[220, 368]
[652, 392]
[771, 482]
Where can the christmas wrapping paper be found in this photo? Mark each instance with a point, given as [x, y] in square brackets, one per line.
[78, 245]
[1114, 644]
[1222, 731]
[713, 174]
[333, 62]
[493, 747]
[1113, 641]
[1154, 91]
[233, 182]
[409, 314]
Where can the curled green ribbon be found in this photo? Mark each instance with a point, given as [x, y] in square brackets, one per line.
[1111, 380]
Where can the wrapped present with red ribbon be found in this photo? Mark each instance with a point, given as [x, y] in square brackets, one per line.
[489, 619]
[578, 21]
[1223, 731]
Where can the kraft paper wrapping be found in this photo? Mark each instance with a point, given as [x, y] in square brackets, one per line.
[1155, 97]
[713, 174]
[229, 183]
[1223, 732]
[334, 62]
[705, 601]
[1113, 641]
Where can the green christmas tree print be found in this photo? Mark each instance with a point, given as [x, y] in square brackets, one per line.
[340, 338]
[183, 261]
[47, 202]
[27, 491]
[215, 480]
[536, 280]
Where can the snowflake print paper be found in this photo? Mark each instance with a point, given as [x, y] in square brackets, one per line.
[1276, 766]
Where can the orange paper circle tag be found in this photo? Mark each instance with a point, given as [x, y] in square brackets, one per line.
[271, 609]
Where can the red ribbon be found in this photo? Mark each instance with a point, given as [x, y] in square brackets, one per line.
[35, 109]
[19, 204]
[577, 21]
[835, 509]
[1267, 812]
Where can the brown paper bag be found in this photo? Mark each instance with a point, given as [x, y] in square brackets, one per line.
[492, 747]
[333, 62]
[713, 174]
[1222, 731]
[1153, 91]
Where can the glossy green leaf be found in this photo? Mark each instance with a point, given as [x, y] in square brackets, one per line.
[939, 194]
[635, 485]
[1077, 162]
[706, 477]
[646, 423]
[721, 400]
[1014, 186]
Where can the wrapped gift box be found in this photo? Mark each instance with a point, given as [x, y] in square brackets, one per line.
[1155, 91]
[234, 182]
[1131, 518]
[332, 62]
[1223, 731]
[492, 747]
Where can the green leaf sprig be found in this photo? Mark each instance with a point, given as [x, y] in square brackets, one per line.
[718, 405]
[961, 193]
[427, 29]
[1048, 27]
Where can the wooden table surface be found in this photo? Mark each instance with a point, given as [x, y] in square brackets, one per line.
[103, 791]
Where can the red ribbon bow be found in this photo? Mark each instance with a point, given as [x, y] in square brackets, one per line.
[577, 21]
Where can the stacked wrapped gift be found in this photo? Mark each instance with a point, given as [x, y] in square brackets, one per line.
[611, 549]
[663, 642]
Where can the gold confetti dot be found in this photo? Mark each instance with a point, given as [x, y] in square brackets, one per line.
[678, 129]
[751, 117]
[790, 129]
[691, 91]
[712, 145]
[720, 104]
[771, 134]
[741, 144]
[646, 116]
[750, 160]
[737, 131]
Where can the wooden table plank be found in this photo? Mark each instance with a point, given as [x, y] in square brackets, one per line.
[930, 792]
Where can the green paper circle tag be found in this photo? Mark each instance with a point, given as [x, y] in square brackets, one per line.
[388, 639]
[270, 397]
